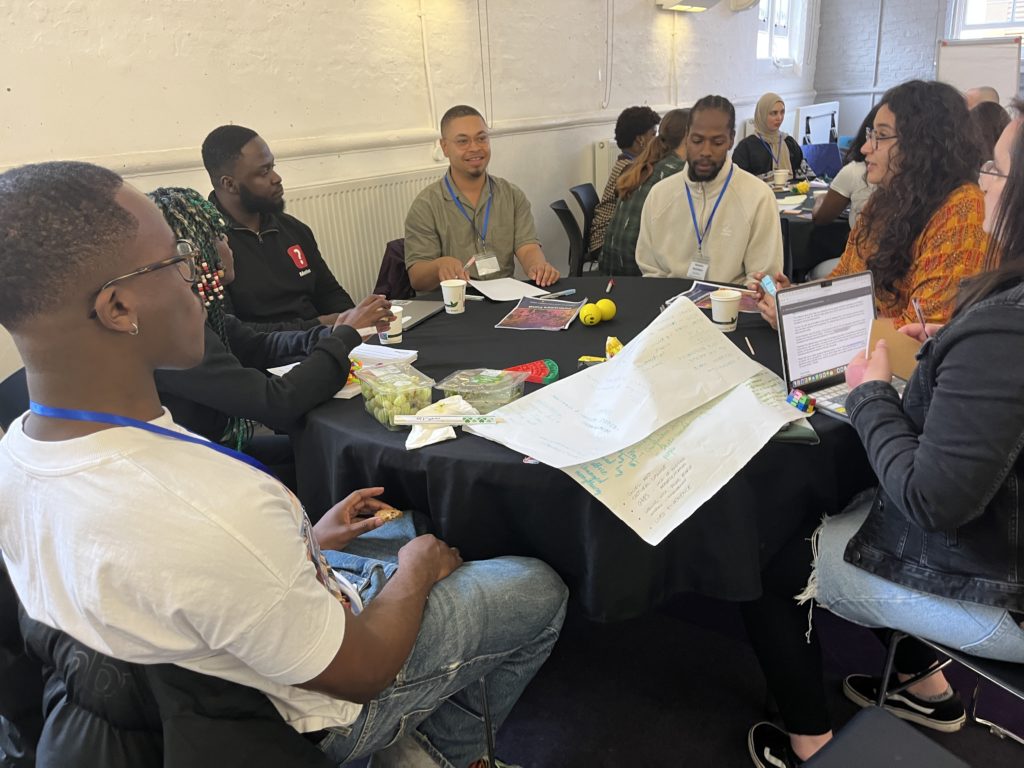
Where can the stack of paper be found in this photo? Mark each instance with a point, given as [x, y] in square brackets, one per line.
[506, 289]
[367, 355]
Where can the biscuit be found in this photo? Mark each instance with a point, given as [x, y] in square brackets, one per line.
[387, 515]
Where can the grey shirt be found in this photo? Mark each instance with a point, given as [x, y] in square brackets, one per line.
[435, 226]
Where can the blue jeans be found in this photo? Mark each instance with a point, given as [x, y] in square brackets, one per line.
[871, 601]
[493, 619]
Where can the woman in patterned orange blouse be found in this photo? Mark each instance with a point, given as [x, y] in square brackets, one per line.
[921, 232]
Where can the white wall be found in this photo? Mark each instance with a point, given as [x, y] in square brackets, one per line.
[345, 90]
[904, 34]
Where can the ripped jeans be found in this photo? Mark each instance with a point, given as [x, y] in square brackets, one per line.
[493, 619]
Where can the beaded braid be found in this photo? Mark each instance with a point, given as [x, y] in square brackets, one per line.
[194, 218]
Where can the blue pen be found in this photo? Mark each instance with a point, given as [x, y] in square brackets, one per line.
[566, 292]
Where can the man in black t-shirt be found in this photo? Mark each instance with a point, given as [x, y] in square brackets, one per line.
[279, 272]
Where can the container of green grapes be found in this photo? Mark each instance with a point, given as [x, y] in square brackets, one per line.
[484, 388]
[390, 390]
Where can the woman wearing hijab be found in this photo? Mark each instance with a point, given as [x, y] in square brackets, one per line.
[769, 149]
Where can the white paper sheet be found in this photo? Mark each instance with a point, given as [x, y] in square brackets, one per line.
[658, 483]
[678, 363]
[507, 289]
[367, 354]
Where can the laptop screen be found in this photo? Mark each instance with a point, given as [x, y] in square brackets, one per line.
[823, 325]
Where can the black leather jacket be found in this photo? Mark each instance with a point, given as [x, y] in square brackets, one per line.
[948, 518]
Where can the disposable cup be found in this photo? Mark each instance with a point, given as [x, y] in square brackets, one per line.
[454, 294]
[725, 309]
[393, 335]
[780, 178]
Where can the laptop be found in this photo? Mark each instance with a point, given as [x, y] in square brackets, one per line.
[417, 311]
[822, 326]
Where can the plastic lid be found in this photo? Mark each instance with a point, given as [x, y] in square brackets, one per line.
[393, 378]
[481, 380]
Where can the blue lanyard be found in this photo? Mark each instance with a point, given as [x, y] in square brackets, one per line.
[124, 421]
[487, 210]
[693, 212]
[775, 157]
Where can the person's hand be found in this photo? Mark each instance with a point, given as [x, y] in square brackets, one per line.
[373, 311]
[874, 368]
[543, 274]
[329, 319]
[918, 331]
[436, 558]
[765, 302]
[349, 518]
[450, 268]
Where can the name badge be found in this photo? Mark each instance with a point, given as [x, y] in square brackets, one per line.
[486, 264]
[698, 270]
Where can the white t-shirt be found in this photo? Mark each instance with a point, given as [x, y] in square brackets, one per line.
[852, 184]
[154, 550]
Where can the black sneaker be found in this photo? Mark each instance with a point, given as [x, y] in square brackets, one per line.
[947, 716]
[769, 747]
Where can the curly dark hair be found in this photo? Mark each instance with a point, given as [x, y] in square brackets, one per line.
[634, 122]
[671, 133]
[222, 147]
[61, 228]
[934, 155]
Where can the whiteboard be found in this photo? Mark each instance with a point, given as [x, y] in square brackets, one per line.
[970, 63]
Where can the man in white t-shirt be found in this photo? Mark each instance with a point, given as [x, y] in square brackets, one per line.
[714, 221]
[153, 546]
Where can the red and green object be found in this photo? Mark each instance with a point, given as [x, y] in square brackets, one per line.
[541, 371]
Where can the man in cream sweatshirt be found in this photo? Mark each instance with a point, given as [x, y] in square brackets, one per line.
[714, 221]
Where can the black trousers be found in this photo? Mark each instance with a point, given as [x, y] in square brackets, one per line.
[777, 627]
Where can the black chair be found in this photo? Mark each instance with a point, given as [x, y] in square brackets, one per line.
[880, 740]
[577, 250]
[13, 398]
[587, 198]
[1006, 675]
[393, 277]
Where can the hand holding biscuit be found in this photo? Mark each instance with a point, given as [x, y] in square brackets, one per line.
[353, 516]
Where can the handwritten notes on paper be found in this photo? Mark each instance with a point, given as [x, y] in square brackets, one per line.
[677, 364]
[656, 484]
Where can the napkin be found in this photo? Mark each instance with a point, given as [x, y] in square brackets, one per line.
[423, 434]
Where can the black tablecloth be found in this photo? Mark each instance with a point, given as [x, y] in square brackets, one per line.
[485, 500]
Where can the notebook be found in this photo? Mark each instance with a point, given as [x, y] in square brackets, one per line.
[415, 311]
[822, 326]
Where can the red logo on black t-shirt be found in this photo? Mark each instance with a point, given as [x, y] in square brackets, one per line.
[298, 257]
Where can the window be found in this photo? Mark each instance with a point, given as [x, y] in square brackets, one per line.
[778, 38]
[973, 19]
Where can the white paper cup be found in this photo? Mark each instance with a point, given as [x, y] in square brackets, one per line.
[454, 294]
[725, 309]
[393, 335]
[780, 178]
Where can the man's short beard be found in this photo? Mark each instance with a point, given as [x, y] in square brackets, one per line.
[709, 177]
[261, 205]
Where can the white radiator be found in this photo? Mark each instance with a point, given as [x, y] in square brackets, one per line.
[606, 153]
[354, 220]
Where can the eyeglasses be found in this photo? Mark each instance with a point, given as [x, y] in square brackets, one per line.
[184, 259]
[989, 169]
[871, 136]
[463, 142]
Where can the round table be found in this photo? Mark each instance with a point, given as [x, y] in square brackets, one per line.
[483, 498]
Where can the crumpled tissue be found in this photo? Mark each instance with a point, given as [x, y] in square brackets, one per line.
[425, 434]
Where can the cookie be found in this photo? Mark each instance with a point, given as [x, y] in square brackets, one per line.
[387, 515]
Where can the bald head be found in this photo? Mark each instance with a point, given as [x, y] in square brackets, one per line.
[975, 96]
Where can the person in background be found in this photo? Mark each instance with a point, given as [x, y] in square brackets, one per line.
[662, 157]
[975, 96]
[769, 149]
[228, 394]
[989, 120]
[921, 232]
[927, 552]
[715, 221]
[280, 275]
[470, 215]
[634, 130]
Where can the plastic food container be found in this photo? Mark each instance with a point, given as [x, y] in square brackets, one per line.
[389, 390]
[485, 388]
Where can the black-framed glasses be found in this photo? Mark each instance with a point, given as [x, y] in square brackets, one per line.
[872, 136]
[989, 169]
[184, 259]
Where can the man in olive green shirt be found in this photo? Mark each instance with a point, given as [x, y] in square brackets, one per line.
[470, 224]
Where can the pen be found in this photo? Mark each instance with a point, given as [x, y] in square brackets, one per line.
[470, 263]
[920, 316]
[473, 297]
[566, 292]
[611, 284]
[750, 346]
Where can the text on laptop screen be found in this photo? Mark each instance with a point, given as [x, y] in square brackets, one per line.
[824, 325]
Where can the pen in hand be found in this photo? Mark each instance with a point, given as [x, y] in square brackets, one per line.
[920, 317]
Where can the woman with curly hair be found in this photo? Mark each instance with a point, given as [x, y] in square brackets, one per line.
[229, 392]
[921, 232]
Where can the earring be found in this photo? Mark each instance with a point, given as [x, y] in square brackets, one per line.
[135, 330]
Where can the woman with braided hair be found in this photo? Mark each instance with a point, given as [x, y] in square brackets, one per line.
[226, 395]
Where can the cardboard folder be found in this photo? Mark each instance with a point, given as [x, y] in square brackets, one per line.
[902, 348]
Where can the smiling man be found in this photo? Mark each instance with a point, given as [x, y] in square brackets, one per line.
[471, 215]
[281, 275]
[714, 221]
